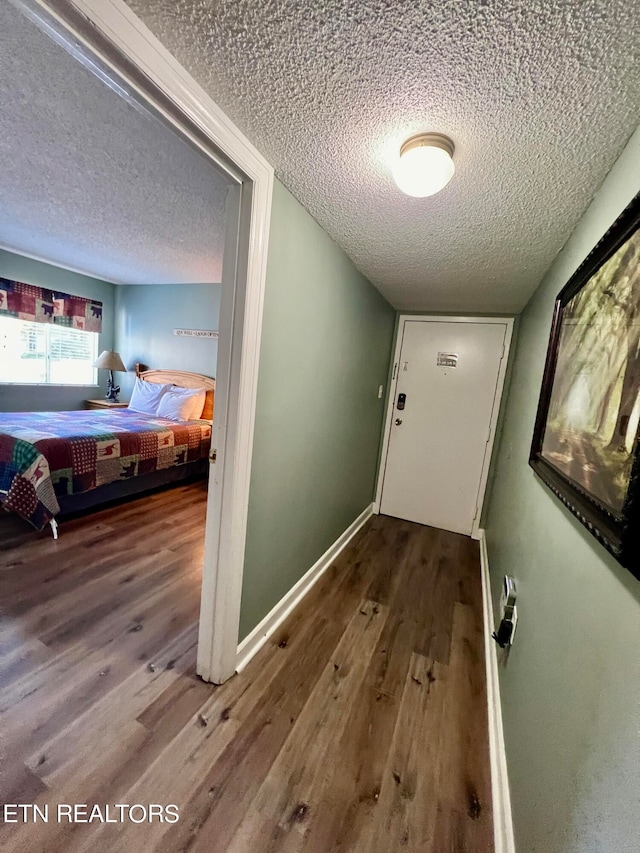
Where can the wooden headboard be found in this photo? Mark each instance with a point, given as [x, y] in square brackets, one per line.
[182, 379]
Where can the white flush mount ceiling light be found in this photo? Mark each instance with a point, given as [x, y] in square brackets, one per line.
[425, 165]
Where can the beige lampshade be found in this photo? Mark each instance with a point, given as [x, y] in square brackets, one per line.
[110, 360]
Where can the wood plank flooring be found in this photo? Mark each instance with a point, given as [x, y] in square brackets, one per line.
[360, 726]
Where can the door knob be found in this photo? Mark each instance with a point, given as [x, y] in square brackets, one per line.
[398, 421]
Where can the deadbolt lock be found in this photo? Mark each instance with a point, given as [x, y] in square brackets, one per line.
[398, 421]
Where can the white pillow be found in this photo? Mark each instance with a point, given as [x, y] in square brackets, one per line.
[146, 396]
[182, 404]
[197, 396]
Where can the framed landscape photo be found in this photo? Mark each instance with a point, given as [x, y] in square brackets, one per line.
[585, 444]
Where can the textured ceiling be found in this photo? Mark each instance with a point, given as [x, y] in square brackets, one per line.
[89, 182]
[539, 96]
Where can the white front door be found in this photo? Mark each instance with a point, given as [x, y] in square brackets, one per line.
[448, 383]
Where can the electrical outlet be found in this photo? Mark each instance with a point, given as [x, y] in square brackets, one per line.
[508, 596]
[508, 614]
[514, 623]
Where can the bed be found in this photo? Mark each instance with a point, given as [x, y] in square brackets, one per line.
[61, 462]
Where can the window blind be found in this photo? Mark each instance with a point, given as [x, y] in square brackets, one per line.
[40, 353]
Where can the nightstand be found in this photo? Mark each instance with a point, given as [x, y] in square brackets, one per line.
[104, 404]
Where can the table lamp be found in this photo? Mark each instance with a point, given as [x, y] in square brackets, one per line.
[109, 360]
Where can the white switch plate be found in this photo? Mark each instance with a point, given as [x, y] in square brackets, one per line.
[380, 392]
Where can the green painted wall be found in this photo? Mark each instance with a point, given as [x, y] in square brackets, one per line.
[56, 398]
[571, 684]
[326, 343]
[147, 314]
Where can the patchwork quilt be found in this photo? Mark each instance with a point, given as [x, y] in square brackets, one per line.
[45, 454]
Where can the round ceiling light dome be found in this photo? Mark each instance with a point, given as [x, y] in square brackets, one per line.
[425, 165]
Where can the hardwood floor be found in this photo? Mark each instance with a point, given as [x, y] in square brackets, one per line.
[361, 725]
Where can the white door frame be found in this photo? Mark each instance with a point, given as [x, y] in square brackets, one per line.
[434, 318]
[241, 317]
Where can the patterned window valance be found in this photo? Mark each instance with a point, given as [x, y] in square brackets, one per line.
[39, 305]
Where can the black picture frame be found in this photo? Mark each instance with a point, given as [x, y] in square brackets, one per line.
[570, 460]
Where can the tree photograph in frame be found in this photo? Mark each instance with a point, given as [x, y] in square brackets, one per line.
[585, 444]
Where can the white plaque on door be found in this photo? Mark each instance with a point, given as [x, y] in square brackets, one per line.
[447, 359]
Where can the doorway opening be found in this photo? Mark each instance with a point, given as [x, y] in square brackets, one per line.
[109, 41]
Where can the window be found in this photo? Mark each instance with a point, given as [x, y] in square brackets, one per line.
[44, 353]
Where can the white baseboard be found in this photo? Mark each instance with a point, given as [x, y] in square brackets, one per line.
[502, 820]
[261, 633]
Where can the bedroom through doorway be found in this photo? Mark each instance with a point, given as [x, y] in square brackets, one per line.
[123, 246]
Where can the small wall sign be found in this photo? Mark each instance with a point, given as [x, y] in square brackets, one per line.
[447, 359]
[195, 333]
